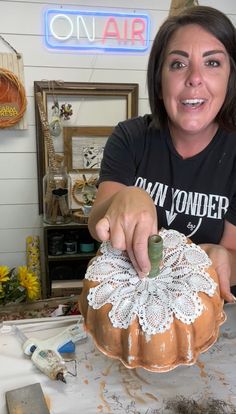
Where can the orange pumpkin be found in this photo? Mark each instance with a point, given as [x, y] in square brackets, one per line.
[156, 323]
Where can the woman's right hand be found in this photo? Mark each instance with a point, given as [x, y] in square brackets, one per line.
[130, 218]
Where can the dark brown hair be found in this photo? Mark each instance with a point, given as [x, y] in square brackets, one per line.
[216, 23]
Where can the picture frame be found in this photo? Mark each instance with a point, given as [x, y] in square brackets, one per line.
[118, 100]
[83, 147]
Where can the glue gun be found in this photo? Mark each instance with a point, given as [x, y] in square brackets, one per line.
[46, 353]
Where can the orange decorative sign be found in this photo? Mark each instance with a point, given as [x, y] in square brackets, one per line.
[12, 99]
[8, 110]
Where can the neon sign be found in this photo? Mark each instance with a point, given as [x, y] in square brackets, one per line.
[97, 31]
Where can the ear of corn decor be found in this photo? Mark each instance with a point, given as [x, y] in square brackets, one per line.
[33, 255]
[179, 5]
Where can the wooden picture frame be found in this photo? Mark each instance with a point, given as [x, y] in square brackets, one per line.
[83, 147]
[89, 93]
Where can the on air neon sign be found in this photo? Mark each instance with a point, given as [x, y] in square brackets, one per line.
[86, 30]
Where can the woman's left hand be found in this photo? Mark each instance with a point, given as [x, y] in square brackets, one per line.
[221, 262]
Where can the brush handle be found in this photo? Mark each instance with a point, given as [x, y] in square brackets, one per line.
[155, 253]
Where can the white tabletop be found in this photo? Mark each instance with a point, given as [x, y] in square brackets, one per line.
[104, 385]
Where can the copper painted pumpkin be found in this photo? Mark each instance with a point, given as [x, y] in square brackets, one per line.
[156, 323]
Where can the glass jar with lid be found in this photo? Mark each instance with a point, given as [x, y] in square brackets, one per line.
[56, 196]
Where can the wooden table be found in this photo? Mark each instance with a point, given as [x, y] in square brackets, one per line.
[103, 385]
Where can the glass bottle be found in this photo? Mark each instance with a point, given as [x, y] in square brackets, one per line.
[57, 196]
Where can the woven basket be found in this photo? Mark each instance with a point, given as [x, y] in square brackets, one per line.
[12, 99]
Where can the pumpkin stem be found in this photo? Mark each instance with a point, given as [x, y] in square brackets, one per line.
[155, 252]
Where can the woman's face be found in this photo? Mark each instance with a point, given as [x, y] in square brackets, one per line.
[195, 76]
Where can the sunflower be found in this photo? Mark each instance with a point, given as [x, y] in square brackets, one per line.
[4, 273]
[22, 273]
[30, 282]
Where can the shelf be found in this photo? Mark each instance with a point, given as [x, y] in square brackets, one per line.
[56, 284]
[65, 226]
[65, 257]
[64, 272]
[66, 287]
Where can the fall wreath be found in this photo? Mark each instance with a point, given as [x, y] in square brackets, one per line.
[12, 99]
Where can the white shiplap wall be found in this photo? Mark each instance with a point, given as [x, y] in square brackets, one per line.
[21, 26]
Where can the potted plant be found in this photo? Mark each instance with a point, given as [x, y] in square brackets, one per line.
[88, 195]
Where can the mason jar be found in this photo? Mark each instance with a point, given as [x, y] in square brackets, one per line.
[57, 196]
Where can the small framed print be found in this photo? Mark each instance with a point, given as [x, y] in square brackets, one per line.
[83, 147]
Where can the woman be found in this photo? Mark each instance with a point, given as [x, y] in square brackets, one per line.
[176, 168]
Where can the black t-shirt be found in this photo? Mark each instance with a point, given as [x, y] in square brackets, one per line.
[193, 195]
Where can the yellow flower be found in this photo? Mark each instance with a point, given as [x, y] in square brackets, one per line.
[30, 282]
[22, 272]
[4, 272]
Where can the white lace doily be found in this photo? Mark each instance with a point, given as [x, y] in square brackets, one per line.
[155, 301]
